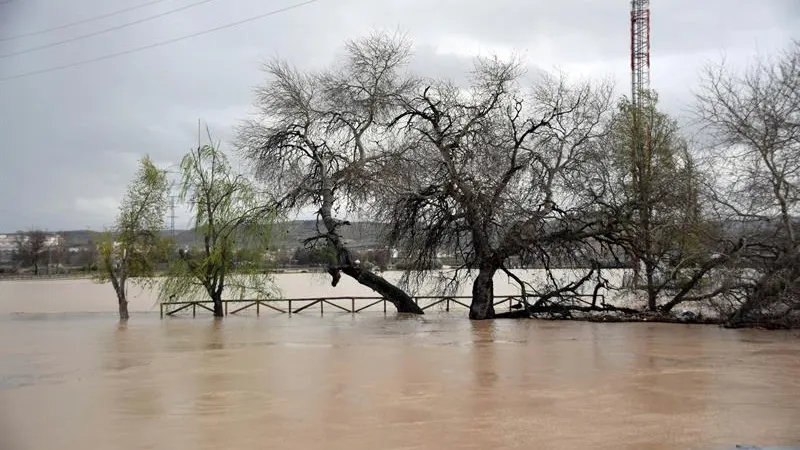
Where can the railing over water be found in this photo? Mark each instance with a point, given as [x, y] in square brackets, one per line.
[350, 305]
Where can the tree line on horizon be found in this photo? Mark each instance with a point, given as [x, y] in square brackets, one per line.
[512, 167]
[32, 254]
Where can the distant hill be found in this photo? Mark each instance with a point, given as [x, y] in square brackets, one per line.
[288, 234]
[291, 234]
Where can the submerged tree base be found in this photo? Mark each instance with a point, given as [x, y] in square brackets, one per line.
[611, 314]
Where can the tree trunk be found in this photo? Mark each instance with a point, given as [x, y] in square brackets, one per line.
[118, 282]
[35, 268]
[482, 306]
[637, 276]
[396, 296]
[743, 313]
[652, 292]
[123, 307]
[399, 298]
[765, 288]
[218, 311]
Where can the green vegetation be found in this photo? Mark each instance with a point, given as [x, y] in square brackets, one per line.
[234, 223]
[131, 250]
[653, 196]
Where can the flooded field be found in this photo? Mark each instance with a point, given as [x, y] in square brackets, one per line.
[82, 295]
[72, 377]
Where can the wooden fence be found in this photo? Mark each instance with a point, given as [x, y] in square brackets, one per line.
[350, 305]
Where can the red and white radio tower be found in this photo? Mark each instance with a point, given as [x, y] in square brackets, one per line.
[640, 50]
[641, 149]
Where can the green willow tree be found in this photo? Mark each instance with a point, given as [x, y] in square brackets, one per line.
[229, 215]
[131, 249]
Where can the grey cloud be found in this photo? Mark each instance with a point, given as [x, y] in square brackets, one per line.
[71, 138]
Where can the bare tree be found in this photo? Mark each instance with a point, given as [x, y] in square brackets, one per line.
[56, 254]
[753, 118]
[31, 247]
[492, 171]
[316, 137]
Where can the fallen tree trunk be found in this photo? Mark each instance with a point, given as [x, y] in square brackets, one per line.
[559, 310]
[344, 263]
[393, 294]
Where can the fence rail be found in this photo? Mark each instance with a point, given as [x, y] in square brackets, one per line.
[350, 305]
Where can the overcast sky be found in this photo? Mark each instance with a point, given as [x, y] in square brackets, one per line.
[71, 138]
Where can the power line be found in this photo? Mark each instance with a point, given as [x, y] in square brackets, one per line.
[161, 43]
[114, 28]
[77, 22]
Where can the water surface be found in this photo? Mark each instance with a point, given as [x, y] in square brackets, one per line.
[370, 382]
[76, 381]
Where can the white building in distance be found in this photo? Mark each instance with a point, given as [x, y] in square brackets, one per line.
[8, 244]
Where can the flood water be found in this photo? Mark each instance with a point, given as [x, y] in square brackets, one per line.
[80, 380]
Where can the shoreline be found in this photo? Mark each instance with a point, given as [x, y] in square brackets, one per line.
[59, 276]
[601, 319]
[84, 275]
[619, 310]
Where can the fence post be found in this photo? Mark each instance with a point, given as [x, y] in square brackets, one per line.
[194, 309]
[447, 304]
[321, 304]
[353, 305]
[258, 308]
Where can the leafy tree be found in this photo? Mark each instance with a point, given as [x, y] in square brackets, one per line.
[249, 256]
[310, 256]
[229, 214]
[653, 195]
[129, 250]
[380, 258]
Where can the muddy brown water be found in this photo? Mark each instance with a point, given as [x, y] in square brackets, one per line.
[77, 379]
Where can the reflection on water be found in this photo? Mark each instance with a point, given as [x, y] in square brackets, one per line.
[369, 382]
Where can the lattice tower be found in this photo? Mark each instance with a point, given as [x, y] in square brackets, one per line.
[641, 149]
[640, 50]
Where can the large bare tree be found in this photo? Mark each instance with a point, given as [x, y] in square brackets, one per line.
[316, 135]
[753, 119]
[493, 171]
